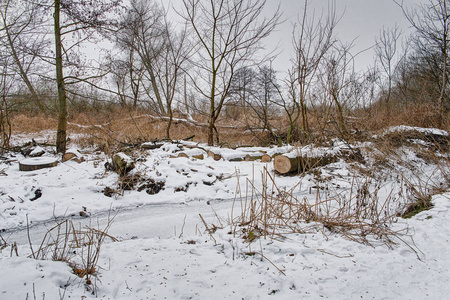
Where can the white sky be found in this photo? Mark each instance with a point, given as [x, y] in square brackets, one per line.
[361, 21]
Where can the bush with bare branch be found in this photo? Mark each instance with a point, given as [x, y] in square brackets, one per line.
[79, 247]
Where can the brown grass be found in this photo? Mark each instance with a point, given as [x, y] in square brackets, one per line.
[420, 115]
[27, 123]
[124, 125]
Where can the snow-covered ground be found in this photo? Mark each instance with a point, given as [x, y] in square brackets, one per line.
[163, 250]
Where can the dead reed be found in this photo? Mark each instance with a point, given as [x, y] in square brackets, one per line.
[359, 214]
[78, 247]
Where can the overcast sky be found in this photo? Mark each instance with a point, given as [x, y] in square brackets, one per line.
[361, 21]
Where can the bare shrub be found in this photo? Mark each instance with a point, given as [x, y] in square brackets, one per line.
[79, 247]
[359, 215]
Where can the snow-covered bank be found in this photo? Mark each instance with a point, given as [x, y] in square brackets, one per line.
[164, 250]
[194, 267]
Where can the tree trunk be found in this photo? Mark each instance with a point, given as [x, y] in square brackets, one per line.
[156, 90]
[212, 111]
[169, 124]
[62, 100]
[444, 83]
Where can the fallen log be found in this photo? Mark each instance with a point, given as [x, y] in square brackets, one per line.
[182, 154]
[252, 157]
[151, 146]
[193, 153]
[285, 164]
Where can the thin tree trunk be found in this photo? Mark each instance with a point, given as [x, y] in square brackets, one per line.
[169, 124]
[445, 58]
[442, 95]
[22, 72]
[212, 111]
[210, 132]
[186, 96]
[62, 100]
[156, 89]
[341, 119]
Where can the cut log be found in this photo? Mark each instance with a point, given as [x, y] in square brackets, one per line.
[266, 158]
[32, 164]
[249, 157]
[284, 164]
[73, 155]
[192, 153]
[214, 156]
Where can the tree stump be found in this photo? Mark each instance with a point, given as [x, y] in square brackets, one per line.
[36, 163]
[122, 163]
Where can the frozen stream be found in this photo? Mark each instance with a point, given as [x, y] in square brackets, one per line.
[149, 221]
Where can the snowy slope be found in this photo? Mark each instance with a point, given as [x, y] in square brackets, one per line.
[164, 252]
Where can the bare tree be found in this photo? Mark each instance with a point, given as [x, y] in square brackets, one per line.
[20, 24]
[175, 55]
[265, 98]
[6, 81]
[229, 33]
[242, 86]
[144, 34]
[432, 23]
[254, 93]
[288, 104]
[160, 49]
[338, 80]
[312, 40]
[127, 75]
[385, 54]
[80, 19]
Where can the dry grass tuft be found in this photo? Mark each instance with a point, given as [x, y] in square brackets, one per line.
[80, 248]
[359, 215]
